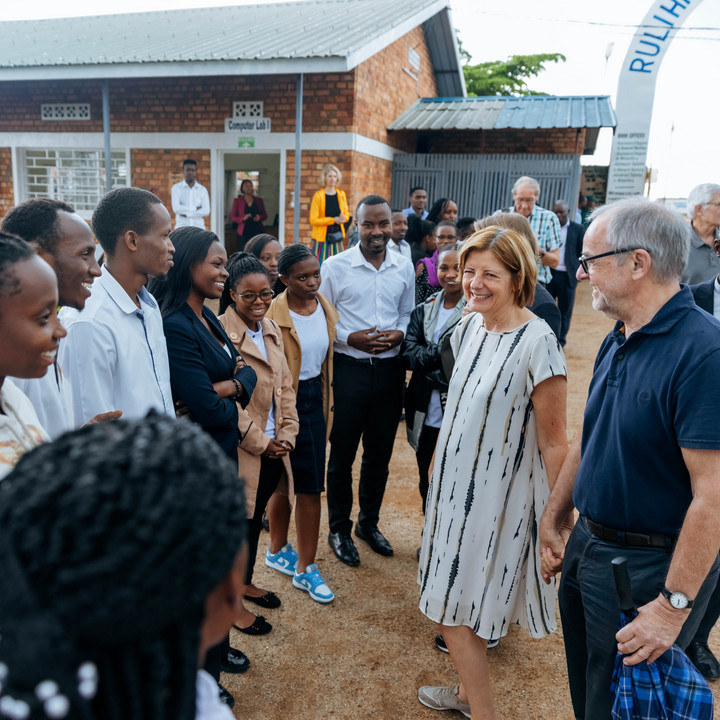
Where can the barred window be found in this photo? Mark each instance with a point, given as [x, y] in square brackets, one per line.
[73, 176]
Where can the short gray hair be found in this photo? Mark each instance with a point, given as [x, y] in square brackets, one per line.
[526, 181]
[638, 222]
[701, 195]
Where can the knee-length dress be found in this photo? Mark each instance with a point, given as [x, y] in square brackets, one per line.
[480, 562]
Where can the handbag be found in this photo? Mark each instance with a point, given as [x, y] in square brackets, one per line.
[334, 237]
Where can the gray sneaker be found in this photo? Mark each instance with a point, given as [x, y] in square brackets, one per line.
[441, 697]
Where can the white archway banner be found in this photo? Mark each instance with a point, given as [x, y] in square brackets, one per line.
[636, 93]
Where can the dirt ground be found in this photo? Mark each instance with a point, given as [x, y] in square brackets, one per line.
[364, 655]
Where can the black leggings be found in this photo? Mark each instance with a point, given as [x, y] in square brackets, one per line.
[270, 473]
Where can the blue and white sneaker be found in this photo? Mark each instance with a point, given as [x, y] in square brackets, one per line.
[284, 560]
[312, 582]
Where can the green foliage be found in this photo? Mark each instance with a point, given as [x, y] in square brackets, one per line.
[507, 77]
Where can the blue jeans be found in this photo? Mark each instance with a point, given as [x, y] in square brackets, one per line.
[589, 611]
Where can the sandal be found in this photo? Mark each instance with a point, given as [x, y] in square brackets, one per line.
[259, 627]
[269, 600]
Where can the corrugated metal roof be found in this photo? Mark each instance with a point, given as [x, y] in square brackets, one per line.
[496, 113]
[314, 29]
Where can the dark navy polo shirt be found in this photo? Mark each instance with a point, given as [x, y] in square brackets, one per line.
[651, 394]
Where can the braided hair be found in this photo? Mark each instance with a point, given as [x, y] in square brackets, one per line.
[239, 265]
[291, 255]
[12, 251]
[111, 540]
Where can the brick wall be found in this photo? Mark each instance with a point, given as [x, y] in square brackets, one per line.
[594, 182]
[384, 90]
[158, 170]
[555, 141]
[6, 181]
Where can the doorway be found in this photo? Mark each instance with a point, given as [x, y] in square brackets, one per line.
[263, 169]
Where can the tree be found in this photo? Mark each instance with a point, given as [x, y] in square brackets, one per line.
[507, 77]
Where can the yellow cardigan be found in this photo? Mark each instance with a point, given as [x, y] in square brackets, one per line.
[318, 221]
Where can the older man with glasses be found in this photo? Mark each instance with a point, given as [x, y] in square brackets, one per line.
[544, 223]
[703, 207]
[643, 472]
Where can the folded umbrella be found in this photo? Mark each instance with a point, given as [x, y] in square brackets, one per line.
[670, 688]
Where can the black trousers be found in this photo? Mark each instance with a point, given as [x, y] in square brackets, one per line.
[559, 287]
[426, 448]
[589, 612]
[368, 405]
[712, 613]
[270, 473]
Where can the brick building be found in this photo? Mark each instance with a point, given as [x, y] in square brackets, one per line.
[221, 86]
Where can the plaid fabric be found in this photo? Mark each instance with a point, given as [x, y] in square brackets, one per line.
[546, 227]
[668, 689]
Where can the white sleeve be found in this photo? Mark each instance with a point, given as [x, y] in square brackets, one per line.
[407, 301]
[88, 356]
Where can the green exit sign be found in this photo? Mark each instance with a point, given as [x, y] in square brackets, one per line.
[246, 142]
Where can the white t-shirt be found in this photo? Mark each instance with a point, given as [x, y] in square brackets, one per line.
[207, 699]
[259, 340]
[20, 429]
[434, 412]
[314, 341]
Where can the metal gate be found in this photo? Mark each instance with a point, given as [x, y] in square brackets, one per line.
[482, 184]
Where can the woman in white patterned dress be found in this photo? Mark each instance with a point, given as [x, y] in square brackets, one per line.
[501, 445]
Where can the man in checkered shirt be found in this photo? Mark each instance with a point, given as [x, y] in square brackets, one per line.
[544, 224]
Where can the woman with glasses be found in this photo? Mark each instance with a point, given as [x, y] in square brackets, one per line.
[268, 425]
[500, 448]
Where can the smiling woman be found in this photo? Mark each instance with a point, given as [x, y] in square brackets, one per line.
[30, 332]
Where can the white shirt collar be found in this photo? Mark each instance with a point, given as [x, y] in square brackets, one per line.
[359, 259]
[120, 296]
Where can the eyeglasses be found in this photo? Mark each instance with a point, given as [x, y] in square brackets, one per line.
[585, 260]
[250, 297]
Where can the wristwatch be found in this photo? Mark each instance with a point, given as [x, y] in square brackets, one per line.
[678, 600]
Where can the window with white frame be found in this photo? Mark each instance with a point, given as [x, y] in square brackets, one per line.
[248, 108]
[73, 176]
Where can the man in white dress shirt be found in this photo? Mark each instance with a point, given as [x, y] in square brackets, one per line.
[115, 353]
[398, 243]
[190, 199]
[373, 291]
[64, 240]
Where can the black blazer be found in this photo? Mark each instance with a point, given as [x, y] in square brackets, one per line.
[704, 294]
[196, 362]
[573, 250]
[545, 307]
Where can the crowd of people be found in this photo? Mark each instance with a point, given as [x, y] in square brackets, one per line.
[142, 436]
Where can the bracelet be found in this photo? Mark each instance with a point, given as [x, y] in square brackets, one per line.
[238, 390]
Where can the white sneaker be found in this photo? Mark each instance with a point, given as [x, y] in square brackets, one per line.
[441, 697]
[312, 582]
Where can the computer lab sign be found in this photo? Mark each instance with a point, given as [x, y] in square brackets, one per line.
[636, 94]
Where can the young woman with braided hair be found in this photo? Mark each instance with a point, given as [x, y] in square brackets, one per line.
[122, 560]
[307, 321]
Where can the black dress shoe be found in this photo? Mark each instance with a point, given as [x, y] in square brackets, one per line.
[375, 539]
[260, 626]
[269, 600]
[344, 548]
[235, 662]
[225, 696]
[703, 659]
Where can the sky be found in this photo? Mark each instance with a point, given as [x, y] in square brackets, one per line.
[687, 103]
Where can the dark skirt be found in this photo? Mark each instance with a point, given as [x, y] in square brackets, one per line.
[308, 458]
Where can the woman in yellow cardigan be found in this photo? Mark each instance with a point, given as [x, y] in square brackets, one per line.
[307, 322]
[328, 213]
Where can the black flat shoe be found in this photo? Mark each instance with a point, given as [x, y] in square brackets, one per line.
[344, 548]
[235, 662]
[259, 627]
[269, 600]
[375, 539]
[703, 659]
[225, 696]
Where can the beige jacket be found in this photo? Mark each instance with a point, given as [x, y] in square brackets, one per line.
[280, 313]
[273, 381]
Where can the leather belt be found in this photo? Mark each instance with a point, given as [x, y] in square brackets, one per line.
[630, 539]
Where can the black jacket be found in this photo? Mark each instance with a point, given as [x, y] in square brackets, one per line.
[196, 362]
[573, 250]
